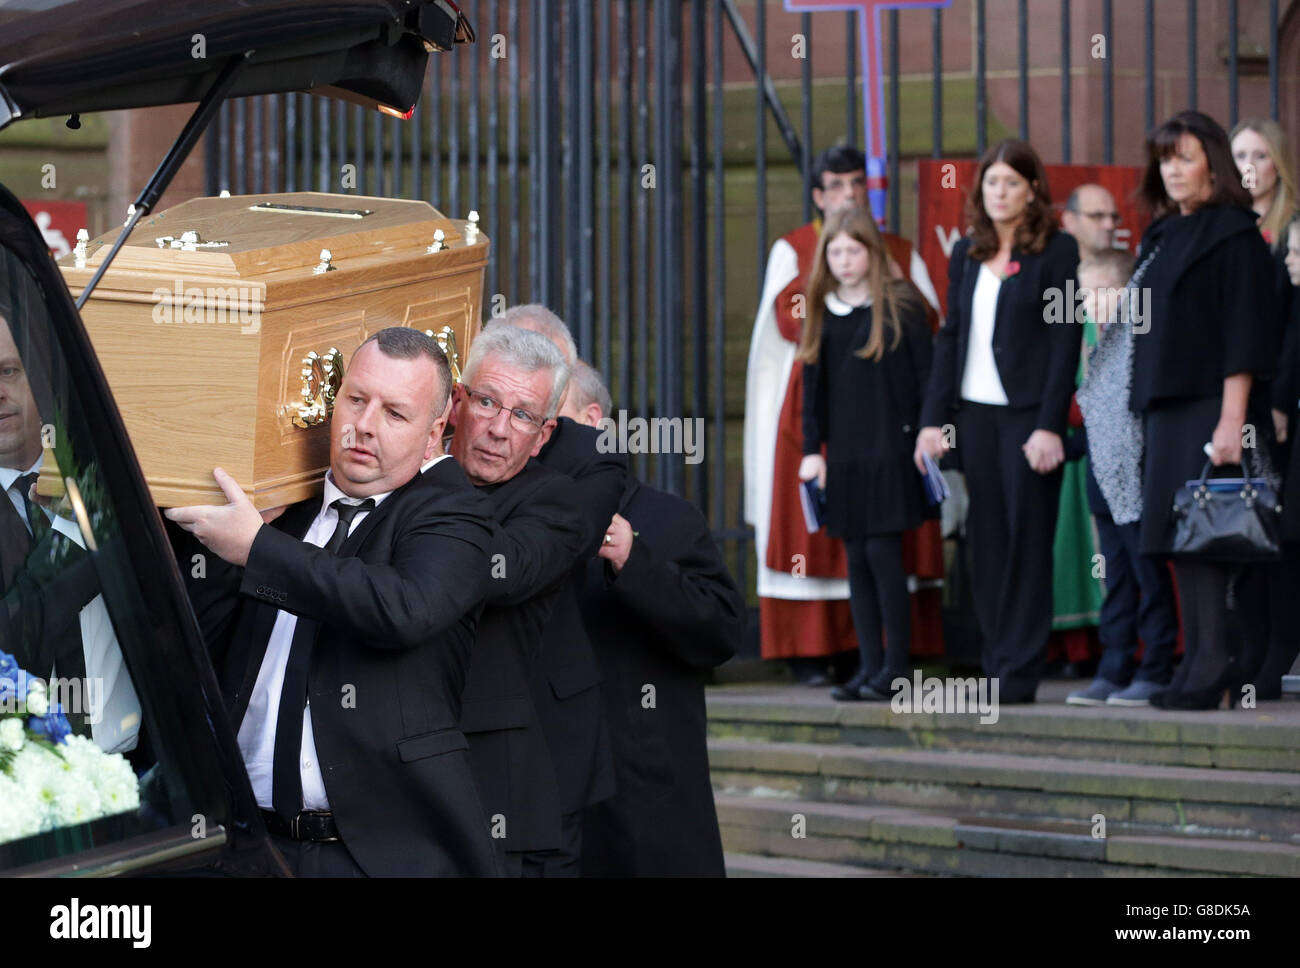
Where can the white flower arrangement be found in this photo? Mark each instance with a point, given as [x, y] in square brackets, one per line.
[50, 777]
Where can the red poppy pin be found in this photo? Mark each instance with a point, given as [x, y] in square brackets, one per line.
[1268, 236]
[1011, 269]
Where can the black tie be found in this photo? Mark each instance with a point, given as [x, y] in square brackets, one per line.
[36, 518]
[15, 548]
[286, 774]
[55, 641]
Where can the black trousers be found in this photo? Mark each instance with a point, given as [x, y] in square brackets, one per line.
[309, 859]
[1139, 602]
[1010, 530]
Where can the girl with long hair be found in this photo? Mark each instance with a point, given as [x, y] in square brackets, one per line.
[865, 350]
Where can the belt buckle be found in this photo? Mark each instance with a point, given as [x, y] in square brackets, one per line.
[294, 830]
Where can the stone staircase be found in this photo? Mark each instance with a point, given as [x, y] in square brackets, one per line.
[806, 787]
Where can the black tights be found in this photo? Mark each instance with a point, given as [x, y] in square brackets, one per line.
[1208, 662]
[1267, 625]
[878, 586]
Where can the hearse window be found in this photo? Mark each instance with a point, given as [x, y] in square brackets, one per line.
[78, 766]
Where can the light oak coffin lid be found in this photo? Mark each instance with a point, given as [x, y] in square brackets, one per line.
[266, 242]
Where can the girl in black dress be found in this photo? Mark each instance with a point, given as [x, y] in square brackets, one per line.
[866, 356]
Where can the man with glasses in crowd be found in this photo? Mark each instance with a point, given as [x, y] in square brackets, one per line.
[1091, 217]
[504, 412]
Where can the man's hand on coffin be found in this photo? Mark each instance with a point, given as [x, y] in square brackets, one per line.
[228, 531]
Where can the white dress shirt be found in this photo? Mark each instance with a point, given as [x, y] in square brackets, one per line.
[257, 731]
[108, 696]
[980, 382]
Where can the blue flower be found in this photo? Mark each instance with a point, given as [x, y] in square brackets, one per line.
[8, 666]
[53, 725]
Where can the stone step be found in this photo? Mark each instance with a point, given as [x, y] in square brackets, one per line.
[901, 840]
[1131, 797]
[754, 865]
[1259, 739]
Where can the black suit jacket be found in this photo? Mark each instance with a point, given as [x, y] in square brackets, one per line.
[397, 610]
[540, 534]
[566, 683]
[1037, 361]
[669, 616]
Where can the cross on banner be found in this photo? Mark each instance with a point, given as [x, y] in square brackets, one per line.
[873, 75]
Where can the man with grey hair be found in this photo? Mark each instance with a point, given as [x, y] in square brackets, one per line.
[511, 367]
[539, 319]
[662, 609]
[587, 400]
[566, 683]
[504, 412]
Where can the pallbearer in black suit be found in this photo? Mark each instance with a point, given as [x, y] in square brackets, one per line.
[662, 610]
[346, 630]
[566, 687]
[53, 618]
[504, 412]
[1000, 393]
[866, 353]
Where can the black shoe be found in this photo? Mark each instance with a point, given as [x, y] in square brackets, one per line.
[809, 671]
[849, 691]
[869, 693]
[1199, 699]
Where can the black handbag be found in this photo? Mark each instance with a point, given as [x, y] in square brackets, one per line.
[1228, 519]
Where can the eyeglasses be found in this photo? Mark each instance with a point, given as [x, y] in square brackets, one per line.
[1099, 216]
[481, 405]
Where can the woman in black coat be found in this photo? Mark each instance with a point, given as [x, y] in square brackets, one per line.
[1199, 366]
[1267, 612]
[866, 352]
[1004, 369]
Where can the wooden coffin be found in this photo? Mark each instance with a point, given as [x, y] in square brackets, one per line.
[207, 339]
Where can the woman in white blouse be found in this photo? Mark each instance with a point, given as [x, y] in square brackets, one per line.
[999, 398]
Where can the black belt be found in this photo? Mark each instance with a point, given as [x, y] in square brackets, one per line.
[314, 825]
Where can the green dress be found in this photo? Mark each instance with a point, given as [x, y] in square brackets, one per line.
[1076, 594]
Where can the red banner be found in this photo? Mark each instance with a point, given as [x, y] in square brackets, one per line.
[58, 222]
[942, 187]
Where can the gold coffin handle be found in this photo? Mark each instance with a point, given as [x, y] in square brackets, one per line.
[446, 340]
[321, 378]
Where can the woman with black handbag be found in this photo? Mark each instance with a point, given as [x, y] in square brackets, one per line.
[1199, 357]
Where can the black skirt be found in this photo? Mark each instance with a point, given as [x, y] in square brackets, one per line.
[875, 495]
[1176, 432]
